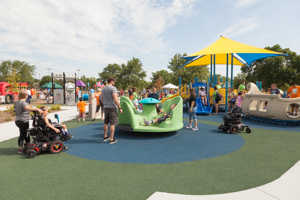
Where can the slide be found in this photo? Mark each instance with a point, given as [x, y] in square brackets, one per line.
[169, 97]
[201, 109]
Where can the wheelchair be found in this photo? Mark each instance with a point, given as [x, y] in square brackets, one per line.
[232, 122]
[44, 138]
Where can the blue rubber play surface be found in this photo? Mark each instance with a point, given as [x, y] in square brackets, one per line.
[150, 148]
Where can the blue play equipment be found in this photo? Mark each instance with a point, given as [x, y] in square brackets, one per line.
[85, 97]
[201, 109]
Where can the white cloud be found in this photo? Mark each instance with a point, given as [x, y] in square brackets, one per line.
[241, 27]
[245, 3]
[87, 31]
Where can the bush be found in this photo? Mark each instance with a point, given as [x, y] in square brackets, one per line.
[10, 108]
[13, 114]
[7, 119]
[38, 106]
[55, 107]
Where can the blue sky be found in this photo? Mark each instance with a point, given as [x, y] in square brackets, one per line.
[88, 35]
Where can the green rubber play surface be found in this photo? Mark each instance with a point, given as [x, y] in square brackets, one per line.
[264, 157]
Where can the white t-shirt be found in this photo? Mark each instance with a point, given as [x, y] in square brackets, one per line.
[202, 93]
[28, 92]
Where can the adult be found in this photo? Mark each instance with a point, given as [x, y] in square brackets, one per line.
[33, 95]
[153, 94]
[22, 118]
[99, 104]
[294, 92]
[144, 90]
[242, 87]
[29, 95]
[111, 103]
[231, 99]
[77, 91]
[274, 89]
[215, 99]
[148, 90]
[192, 110]
[122, 92]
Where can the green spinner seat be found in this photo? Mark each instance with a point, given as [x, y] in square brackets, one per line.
[132, 120]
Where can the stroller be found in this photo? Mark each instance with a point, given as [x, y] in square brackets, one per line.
[232, 122]
[44, 138]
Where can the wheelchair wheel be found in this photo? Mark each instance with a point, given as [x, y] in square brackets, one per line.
[56, 146]
[248, 130]
[31, 153]
[234, 129]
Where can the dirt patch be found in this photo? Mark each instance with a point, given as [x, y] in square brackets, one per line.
[8, 116]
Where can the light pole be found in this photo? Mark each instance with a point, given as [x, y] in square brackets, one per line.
[40, 76]
[78, 72]
[49, 70]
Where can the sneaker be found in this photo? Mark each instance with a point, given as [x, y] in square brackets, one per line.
[188, 127]
[94, 119]
[113, 141]
[195, 129]
[105, 139]
[146, 122]
[20, 151]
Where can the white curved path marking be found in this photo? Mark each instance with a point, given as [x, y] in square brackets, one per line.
[287, 187]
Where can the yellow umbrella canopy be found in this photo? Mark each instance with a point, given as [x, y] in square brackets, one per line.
[243, 54]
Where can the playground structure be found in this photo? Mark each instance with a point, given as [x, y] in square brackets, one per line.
[276, 111]
[7, 95]
[132, 120]
[67, 95]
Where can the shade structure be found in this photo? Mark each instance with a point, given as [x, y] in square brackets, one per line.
[49, 85]
[170, 86]
[226, 51]
[80, 83]
[243, 54]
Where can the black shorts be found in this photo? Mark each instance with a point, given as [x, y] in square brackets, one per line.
[162, 119]
[111, 116]
[294, 105]
[98, 108]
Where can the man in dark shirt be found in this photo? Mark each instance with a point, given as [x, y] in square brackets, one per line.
[274, 89]
[153, 94]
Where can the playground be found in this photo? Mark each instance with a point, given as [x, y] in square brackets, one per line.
[182, 162]
[163, 160]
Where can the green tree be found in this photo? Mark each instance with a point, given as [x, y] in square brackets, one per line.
[111, 70]
[23, 68]
[281, 70]
[92, 81]
[45, 79]
[13, 78]
[188, 74]
[163, 74]
[238, 80]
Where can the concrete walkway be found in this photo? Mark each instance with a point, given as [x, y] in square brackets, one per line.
[284, 188]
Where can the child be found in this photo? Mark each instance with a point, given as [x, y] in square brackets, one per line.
[161, 119]
[240, 99]
[51, 125]
[266, 105]
[269, 91]
[215, 99]
[48, 98]
[202, 94]
[81, 106]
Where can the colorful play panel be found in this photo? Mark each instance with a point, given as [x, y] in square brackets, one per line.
[207, 161]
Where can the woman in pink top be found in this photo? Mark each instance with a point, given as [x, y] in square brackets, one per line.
[240, 99]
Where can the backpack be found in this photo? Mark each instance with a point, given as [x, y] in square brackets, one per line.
[100, 99]
[218, 96]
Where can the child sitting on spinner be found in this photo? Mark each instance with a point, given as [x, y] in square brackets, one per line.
[161, 119]
[51, 125]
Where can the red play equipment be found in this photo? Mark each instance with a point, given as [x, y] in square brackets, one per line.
[6, 93]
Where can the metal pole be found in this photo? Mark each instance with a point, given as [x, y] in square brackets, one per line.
[215, 81]
[211, 69]
[231, 84]
[226, 98]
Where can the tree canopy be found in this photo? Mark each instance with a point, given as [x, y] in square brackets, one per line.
[281, 70]
[24, 69]
[165, 76]
[188, 74]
